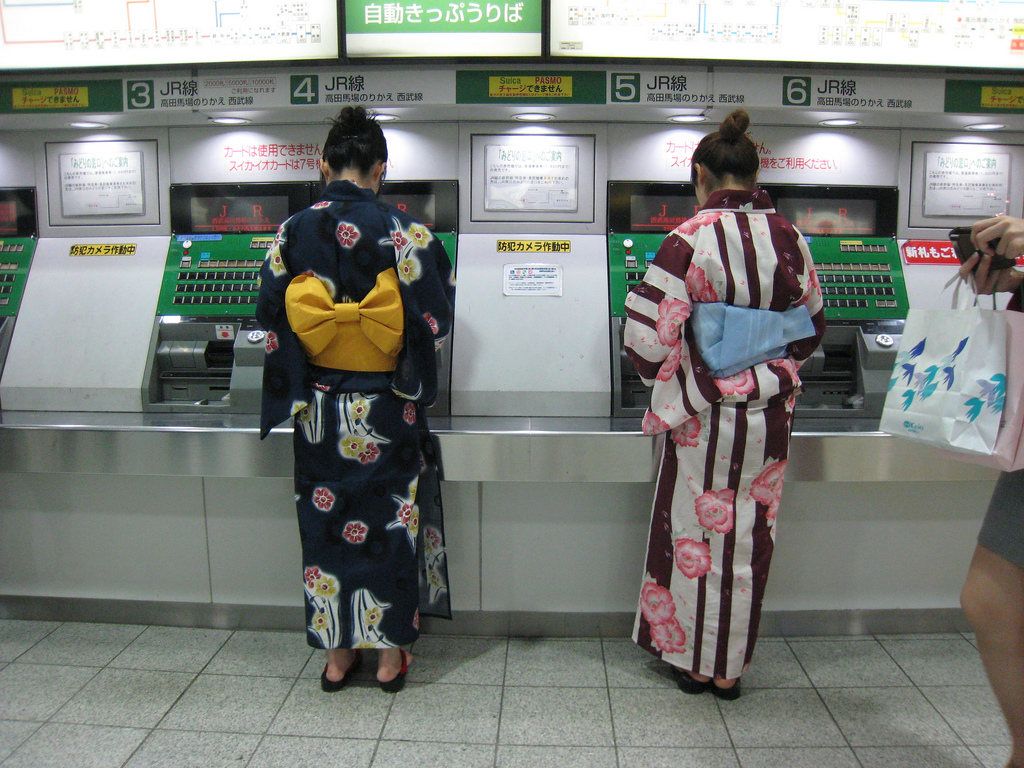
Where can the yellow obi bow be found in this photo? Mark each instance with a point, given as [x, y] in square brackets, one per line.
[363, 336]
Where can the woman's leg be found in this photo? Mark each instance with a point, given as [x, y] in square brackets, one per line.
[993, 600]
[339, 660]
[389, 665]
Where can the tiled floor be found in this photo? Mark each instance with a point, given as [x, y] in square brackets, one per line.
[97, 695]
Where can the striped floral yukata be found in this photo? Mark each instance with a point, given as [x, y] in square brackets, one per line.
[727, 442]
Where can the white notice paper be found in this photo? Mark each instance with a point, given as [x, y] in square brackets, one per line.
[541, 176]
[973, 183]
[101, 184]
[532, 280]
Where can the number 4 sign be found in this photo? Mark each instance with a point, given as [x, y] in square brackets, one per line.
[305, 89]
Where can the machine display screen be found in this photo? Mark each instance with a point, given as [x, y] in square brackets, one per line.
[421, 207]
[837, 211]
[223, 209]
[816, 216]
[435, 204]
[222, 215]
[651, 207]
[8, 218]
[17, 212]
[659, 213]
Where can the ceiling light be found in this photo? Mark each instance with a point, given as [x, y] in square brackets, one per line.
[229, 120]
[839, 122]
[534, 117]
[87, 124]
[687, 119]
[986, 127]
[385, 118]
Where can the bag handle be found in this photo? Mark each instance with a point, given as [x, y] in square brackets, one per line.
[970, 297]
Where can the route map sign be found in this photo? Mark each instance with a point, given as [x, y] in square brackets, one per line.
[941, 33]
[48, 34]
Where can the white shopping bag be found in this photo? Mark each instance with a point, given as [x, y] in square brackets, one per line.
[948, 387]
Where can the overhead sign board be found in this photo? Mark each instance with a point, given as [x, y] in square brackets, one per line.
[274, 90]
[438, 28]
[888, 32]
[114, 33]
[512, 86]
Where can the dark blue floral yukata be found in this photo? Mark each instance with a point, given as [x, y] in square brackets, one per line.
[365, 466]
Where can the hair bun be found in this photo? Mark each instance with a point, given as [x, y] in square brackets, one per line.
[734, 126]
[351, 121]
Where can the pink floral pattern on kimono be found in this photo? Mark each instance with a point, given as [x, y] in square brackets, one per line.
[687, 434]
[741, 383]
[815, 288]
[693, 558]
[715, 510]
[409, 413]
[669, 636]
[671, 365]
[672, 313]
[789, 366]
[656, 603]
[767, 487]
[699, 286]
[355, 532]
[690, 226]
[652, 425]
[323, 499]
[347, 234]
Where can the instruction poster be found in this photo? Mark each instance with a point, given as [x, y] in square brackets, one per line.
[972, 183]
[541, 176]
[101, 183]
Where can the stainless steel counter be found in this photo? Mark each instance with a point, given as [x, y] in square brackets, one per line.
[583, 450]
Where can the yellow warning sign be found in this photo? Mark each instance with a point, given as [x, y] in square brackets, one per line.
[1002, 97]
[533, 246]
[103, 249]
[50, 97]
[527, 86]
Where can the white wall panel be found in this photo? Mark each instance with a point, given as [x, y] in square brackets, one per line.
[118, 537]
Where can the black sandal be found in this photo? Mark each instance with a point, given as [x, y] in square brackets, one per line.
[727, 694]
[398, 682]
[687, 683]
[332, 686]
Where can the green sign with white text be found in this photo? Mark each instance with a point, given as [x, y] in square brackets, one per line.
[374, 17]
[438, 28]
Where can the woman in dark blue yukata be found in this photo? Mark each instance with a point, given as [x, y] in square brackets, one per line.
[356, 296]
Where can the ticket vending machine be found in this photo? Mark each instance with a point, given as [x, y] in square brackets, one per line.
[18, 232]
[640, 214]
[206, 351]
[435, 204]
[851, 232]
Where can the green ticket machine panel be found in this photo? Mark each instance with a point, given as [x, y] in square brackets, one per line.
[640, 215]
[851, 232]
[206, 353]
[18, 231]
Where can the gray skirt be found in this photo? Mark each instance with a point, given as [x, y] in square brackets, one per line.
[1002, 531]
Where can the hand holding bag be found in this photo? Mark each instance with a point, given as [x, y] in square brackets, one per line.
[948, 387]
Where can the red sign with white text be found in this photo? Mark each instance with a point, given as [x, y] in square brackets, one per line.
[928, 252]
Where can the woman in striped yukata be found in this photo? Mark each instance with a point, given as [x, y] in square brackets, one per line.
[726, 440]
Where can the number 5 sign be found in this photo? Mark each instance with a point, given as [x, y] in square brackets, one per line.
[625, 87]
